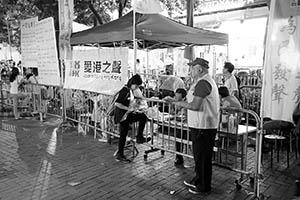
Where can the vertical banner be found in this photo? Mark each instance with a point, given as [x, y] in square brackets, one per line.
[28, 42]
[47, 52]
[65, 8]
[98, 70]
[281, 86]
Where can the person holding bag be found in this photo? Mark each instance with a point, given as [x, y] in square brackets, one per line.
[15, 94]
[123, 101]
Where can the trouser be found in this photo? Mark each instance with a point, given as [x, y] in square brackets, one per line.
[203, 142]
[124, 125]
[15, 98]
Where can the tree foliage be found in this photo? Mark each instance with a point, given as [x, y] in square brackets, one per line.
[89, 12]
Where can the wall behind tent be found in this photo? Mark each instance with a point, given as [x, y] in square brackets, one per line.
[157, 61]
[5, 53]
[173, 62]
[246, 40]
[246, 29]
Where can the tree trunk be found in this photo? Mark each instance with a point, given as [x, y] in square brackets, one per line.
[122, 4]
[97, 16]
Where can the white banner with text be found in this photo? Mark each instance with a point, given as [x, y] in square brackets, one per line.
[28, 42]
[98, 70]
[281, 86]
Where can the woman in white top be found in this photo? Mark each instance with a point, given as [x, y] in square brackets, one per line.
[14, 93]
[228, 100]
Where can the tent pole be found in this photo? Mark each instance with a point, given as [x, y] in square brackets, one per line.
[134, 43]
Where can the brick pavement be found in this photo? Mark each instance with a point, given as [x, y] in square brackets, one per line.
[37, 162]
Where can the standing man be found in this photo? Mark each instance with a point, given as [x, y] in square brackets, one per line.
[203, 117]
[230, 81]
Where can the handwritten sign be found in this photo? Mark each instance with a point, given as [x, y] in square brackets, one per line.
[281, 90]
[47, 52]
[98, 70]
[28, 42]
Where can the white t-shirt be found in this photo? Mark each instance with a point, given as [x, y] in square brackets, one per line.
[231, 84]
[14, 86]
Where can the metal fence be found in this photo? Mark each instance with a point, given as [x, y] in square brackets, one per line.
[167, 125]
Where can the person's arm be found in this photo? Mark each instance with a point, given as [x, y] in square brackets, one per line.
[194, 105]
[122, 98]
[121, 106]
[202, 89]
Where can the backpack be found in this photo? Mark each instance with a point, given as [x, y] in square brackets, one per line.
[296, 114]
[112, 107]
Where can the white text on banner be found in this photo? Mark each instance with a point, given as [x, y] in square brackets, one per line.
[98, 70]
[281, 87]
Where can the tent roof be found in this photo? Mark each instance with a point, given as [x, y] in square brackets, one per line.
[152, 31]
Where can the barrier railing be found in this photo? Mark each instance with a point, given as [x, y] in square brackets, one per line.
[44, 99]
[88, 110]
[251, 97]
[167, 125]
[170, 132]
[6, 104]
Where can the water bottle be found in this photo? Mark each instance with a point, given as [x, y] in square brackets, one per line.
[231, 123]
[224, 121]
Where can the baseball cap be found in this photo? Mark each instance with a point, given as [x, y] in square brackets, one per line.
[199, 61]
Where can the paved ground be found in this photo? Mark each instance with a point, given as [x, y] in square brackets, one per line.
[39, 162]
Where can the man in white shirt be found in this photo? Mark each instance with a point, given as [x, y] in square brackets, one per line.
[203, 117]
[230, 81]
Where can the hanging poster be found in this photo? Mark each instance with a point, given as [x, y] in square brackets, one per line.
[281, 86]
[47, 61]
[98, 70]
[28, 42]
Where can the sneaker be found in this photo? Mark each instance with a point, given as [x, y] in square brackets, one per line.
[197, 191]
[141, 140]
[297, 192]
[120, 158]
[190, 184]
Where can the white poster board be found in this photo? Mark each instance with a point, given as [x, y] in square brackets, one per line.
[281, 86]
[47, 61]
[100, 70]
[28, 42]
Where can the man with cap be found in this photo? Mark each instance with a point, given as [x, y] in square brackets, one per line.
[203, 115]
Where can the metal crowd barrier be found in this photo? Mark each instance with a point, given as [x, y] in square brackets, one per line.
[167, 125]
[44, 99]
[251, 97]
[250, 80]
[6, 103]
[170, 132]
[88, 110]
